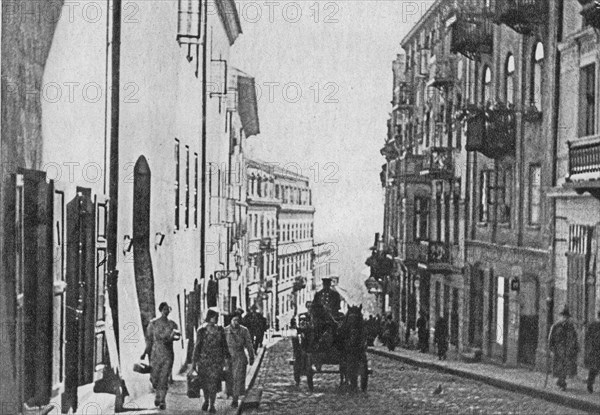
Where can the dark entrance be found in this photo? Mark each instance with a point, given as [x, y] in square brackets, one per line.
[528, 322]
[142, 261]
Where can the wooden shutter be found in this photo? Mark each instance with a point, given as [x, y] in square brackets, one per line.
[59, 263]
[37, 287]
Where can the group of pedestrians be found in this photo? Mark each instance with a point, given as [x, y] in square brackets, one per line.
[220, 353]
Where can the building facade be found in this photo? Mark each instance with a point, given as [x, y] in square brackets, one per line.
[469, 157]
[104, 213]
[574, 194]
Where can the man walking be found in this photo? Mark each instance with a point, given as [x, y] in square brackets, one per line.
[564, 346]
[160, 334]
[591, 358]
[423, 332]
[441, 337]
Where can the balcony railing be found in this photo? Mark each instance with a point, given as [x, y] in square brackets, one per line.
[521, 15]
[440, 258]
[472, 34]
[441, 71]
[416, 252]
[492, 131]
[591, 12]
[439, 163]
[409, 169]
[584, 159]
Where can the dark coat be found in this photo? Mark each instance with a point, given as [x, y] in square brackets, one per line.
[563, 343]
[440, 335]
[591, 359]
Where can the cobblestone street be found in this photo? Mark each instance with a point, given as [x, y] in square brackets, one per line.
[394, 388]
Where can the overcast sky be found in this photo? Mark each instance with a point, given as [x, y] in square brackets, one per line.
[324, 75]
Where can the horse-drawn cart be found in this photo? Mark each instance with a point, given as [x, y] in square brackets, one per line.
[329, 343]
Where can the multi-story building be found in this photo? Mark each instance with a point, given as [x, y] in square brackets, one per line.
[469, 156]
[574, 192]
[295, 229]
[262, 231]
[103, 188]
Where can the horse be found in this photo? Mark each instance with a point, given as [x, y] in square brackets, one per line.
[353, 348]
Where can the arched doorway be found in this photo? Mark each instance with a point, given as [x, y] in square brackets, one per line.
[142, 261]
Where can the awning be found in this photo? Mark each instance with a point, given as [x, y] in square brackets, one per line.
[247, 105]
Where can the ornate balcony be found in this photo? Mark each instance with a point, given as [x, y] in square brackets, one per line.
[408, 169]
[440, 258]
[439, 163]
[521, 15]
[441, 71]
[591, 12]
[389, 151]
[404, 98]
[584, 165]
[501, 131]
[492, 131]
[416, 252]
[472, 34]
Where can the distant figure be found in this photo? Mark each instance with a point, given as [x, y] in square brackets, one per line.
[255, 325]
[160, 334]
[390, 333]
[423, 332]
[371, 330]
[212, 292]
[592, 352]
[441, 337]
[563, 344]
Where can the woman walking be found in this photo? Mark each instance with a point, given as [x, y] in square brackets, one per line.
[160, 334]
[238, 339]
[210, 356]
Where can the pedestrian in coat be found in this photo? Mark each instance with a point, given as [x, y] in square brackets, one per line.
[239, 342]
[253, 323]
[440, 337]
[160, 334]
[591, 358]
[211, 356]
[390, 333]
[565, 347]
[423, 332]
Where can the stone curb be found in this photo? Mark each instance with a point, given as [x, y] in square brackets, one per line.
[252, 375]
[547, 395]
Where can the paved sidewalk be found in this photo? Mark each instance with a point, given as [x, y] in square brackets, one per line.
[514, 379]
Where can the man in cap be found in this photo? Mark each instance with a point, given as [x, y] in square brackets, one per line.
[328, 298]
[564, 346]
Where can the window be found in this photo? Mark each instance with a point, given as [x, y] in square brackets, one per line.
[187, 187]
[421, 226]
[438, 214]
[587, 100]
[500, 312]
[195, 190]
[484, 196]
[504, 194]
[535, 194]
[176, 184]
[509, 83]
[581, 281]
[536, 76]
[486, 93]
[456, 202]
[188, 21]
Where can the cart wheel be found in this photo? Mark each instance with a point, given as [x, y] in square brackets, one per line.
[364, 376]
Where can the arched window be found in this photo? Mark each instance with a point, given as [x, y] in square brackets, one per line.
[486, 92]
[536, 76]
[509, 83]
